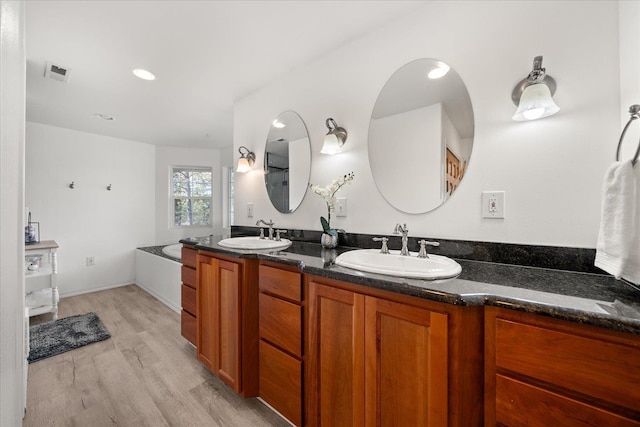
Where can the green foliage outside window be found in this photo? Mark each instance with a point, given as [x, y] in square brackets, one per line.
[191, 191]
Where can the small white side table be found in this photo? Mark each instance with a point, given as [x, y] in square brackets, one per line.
[48, 268]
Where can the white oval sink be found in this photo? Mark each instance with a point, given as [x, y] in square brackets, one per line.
[394, 264]
[253, 243]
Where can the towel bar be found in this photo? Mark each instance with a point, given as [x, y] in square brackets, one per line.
[634, 110]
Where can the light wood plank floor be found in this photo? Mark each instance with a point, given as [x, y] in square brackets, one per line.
[146, 374]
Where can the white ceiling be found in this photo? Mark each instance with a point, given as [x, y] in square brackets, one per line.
[205, 55]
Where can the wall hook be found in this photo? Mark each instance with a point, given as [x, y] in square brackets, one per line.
[109, 187]
[72, 185]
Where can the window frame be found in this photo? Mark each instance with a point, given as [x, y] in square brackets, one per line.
[228, 178]
[173, 197]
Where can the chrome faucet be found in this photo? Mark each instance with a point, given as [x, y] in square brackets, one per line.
[405, 232]
[269, 224]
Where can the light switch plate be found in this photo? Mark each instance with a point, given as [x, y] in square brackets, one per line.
[493, 204]
[341, 206]
[249, 210]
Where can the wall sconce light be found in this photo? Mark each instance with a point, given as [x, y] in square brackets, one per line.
[246, 161]
[533, 95]
[334, 139]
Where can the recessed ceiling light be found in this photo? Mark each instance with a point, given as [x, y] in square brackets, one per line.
[143, 74]
[440, 71]
[278, 124]
[103, 116]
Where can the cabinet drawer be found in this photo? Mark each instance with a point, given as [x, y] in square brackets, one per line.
[189, 300]
[189, 257]
[281, 382]
[600, 368]
[189, 276]
[521, 404]
[286, 284]
[281, 323]
[188, 327]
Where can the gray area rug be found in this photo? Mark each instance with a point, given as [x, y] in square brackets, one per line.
[58, 336]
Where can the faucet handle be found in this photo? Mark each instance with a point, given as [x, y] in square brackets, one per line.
[261, 233]
[384, 240]
[278, 234]
[423, 247]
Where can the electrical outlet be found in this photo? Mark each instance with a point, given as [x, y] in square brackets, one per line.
[341, 207]
[91, 261]
[493, 204]
[249, 210]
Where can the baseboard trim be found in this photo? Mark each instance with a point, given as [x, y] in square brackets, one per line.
[158, 297]
[90, 290]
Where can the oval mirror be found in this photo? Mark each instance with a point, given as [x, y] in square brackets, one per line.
[287, 162]
[420, 136]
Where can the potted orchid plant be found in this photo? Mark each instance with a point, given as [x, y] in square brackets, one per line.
[329, 237]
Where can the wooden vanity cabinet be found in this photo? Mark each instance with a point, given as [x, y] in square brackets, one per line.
[541, 371]
[281, 350]
[227, 321]
[188, 293]
[379, 358]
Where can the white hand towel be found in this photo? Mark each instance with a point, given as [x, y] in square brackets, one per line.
[39, 298]
[616, 249]
[631, 270]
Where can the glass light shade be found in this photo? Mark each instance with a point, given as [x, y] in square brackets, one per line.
[535, 103]
[243, 165]
[332, 144]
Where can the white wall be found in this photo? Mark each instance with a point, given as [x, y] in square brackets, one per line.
[89, 220]
[420, 129]
[299, 167]
[629, 71]
[180, 156]
[227, 157]
[12, 107]
[551, 169]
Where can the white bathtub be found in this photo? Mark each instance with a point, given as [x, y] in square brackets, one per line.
[174, 251]
[160, 276]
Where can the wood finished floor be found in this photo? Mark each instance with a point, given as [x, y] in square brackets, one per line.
[146, 374]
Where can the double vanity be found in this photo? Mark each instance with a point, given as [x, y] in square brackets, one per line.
[326, 344]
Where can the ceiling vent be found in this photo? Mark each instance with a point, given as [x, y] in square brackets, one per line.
[57, 73]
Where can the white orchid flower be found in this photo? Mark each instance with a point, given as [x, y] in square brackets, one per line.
[328, 193]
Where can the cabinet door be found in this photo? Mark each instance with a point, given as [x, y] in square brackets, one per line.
[406, 365]
[206, 313]
[218, 314]
[228, 324]
[336, 357]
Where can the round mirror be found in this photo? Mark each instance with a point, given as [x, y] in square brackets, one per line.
[287, 162]
[420, 136]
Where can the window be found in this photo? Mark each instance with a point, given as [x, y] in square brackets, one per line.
[191, 196]
[231, 219]
[227, 197]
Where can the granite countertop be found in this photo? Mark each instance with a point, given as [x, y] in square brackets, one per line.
[592, 299]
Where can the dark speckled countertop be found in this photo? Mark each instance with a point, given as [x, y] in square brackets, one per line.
[587, 298]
